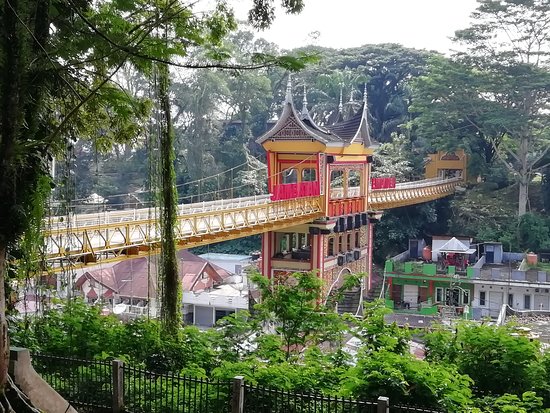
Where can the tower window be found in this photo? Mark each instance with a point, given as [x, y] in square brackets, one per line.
[290, 176]
[330, 251]
[337, 179]
[309, 175]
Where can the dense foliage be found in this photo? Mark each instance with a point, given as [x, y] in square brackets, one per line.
[294, 342]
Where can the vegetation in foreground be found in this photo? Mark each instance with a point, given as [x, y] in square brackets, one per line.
[293, 343]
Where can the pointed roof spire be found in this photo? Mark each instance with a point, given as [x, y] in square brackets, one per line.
[288, 97]
[365, 95]
[351, 94]
[340, 106]
[304, 102]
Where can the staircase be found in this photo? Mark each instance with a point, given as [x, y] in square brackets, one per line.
[376, 288]
[350, 301]
[448, 312]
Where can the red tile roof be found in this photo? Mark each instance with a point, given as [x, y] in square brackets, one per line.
[137, 277]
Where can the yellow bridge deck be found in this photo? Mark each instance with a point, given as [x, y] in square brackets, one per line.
[91, 237]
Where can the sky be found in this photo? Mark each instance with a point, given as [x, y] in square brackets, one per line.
[422, 24]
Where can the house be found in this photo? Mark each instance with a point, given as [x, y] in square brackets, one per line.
[454, 278]
[131, 286]
[519, 280]
[439, 281]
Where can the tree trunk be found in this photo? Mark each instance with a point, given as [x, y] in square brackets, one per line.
[171, 286]
[4, 340]
[523, 154]
[523, 194]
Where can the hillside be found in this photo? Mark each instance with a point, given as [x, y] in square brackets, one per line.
[487, 214]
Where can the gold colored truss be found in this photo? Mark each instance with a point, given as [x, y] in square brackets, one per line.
[412, 193]
[78, 240]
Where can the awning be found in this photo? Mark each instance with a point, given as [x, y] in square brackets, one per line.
[454, 246]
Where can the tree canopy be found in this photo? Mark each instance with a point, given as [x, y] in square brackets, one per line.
[492, 98]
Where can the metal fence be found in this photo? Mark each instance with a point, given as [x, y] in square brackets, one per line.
[86, 384]
[411, 409]
[259, 399]
[145, 392]
[111, 386]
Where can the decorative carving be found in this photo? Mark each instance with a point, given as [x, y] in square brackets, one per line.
[291, 130]
[450, 156]
[363, 236]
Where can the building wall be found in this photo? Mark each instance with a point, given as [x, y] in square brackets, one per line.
[411, 289]
[442, 161]
[496, 295]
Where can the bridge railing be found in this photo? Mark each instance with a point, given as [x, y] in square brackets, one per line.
[426, 182]
[141, 214]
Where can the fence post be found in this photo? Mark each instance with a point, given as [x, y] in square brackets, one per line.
[237, 396]
[383, 405]
[118, 386]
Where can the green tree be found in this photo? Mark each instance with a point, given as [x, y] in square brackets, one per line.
[293, 306]
[485, 352]
[405, 379]
[497, 90]
[57, 62]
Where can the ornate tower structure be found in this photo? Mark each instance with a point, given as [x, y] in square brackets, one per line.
[331, 164]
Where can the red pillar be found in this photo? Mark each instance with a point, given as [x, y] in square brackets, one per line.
[371, 242]
[317, 254]
[267, 253]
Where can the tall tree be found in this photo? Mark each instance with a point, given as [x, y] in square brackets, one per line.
[497, 90]
[57, 62]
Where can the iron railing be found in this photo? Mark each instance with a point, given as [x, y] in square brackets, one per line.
[86, 384]
[411, 409]
[260, 399]
[148, 392]
[104, 386]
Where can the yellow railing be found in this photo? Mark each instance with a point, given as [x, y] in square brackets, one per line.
[411, 193]
[108, 235]
[91, 242]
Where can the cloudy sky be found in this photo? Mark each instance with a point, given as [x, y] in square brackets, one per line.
[423, 24]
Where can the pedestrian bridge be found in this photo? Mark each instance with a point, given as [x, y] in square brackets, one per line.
[111, 234]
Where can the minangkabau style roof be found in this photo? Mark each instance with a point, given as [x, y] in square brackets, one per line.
[294, 126]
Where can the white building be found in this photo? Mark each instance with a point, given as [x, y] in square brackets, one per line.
[508, 280]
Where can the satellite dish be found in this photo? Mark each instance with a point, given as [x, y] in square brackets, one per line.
[119, 308]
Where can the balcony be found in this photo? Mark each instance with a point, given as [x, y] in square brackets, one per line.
[425, 269]
[298, 260]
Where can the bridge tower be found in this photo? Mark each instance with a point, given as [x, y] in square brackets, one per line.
[332, 164]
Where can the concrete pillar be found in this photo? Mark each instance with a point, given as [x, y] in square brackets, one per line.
[118, 386]
[41, 395]
[237, 397]
[383, 405]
